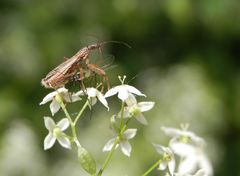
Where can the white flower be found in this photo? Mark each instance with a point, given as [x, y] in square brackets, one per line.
[184, 136]
[123, 91]
[168, 160]
[56, 133]
[135, 109]
[93, 94]
[189, 147]
[124, 144]
[62, 93]
[193, 159]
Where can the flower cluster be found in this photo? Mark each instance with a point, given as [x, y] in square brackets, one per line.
[188, 148]
[130, 109]
[59, 98]
[184, 156]
[133, 109]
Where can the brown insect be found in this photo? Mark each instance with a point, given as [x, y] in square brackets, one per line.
[78, 66]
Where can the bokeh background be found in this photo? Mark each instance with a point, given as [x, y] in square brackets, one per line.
[185, 55]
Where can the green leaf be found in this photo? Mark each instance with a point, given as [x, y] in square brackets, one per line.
[87, 161]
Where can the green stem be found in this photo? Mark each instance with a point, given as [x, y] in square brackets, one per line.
[74, 133]
[152, 168]
[80, 112]
[109, 156]
[122, 129]
[121, 116]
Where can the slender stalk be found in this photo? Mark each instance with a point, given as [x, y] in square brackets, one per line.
[152, 168]
[121, 116]
[109, 156]
[74, 133]
[80, 112]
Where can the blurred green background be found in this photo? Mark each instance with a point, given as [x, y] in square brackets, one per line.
[185, 56]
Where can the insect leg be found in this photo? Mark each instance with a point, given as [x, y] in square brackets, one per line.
[100, 72]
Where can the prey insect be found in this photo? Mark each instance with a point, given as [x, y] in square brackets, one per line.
[77, 67]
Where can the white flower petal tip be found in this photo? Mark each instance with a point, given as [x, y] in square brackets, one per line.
[108, 146]
[126, 147]
[55, 132]
[63, 124]
[130, 133]
[49, 123]
[123, 92]
[142, 119]
[146, 106]
[49, 141]
[54, 107]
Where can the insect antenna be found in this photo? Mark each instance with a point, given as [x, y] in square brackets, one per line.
[117, 42]
[134, 77]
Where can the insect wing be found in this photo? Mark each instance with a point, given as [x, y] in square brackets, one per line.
[62, 68]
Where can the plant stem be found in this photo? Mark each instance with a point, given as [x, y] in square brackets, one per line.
[80, 112]
[121, 116]
[109, 156]
[74, 133]
[152, 168]
[122, 129]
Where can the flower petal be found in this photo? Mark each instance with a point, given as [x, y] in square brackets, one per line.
[171, 166]
[125, 113]
[141, 119]
[187, 166]
[172, 132]
[63, 124]
[108, 146]
[123, 94]
[49, 123]
[102, 100]
[54, 106]
[196, 139]
[201, 172]
[134, 90]
[92, 101]
[181, 149]
[49, 141]
[130, 133]
[160, 149]
[48, 97]
[75, 98]
[80, 93]
[92, 92]
[162, 165]
[66, 96]
[126, 147]
[131, 100]
[146, 106]
[111, 92]
[62, 90]
[64, 142]
[205, 164]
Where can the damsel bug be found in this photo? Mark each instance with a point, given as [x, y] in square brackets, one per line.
[77, 66]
